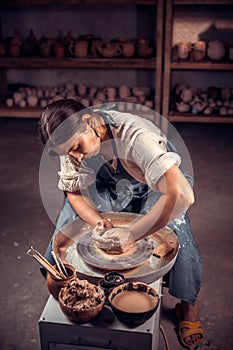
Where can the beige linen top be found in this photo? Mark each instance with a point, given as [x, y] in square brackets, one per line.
[141, 148]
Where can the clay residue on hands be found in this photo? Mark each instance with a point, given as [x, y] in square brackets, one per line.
[116, 240]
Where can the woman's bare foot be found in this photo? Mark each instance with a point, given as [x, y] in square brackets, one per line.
[191, 314]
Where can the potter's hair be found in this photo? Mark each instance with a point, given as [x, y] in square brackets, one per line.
[54, 115]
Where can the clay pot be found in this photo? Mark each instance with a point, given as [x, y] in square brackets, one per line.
[124, 91]
[17, 96]
[184, 49]
[79, 48]
[54, 285]
[92, 91]
[199, 50]
[182, 107]
[186, 95]
[82, 90]
[9, 102]
[143, 48]
[109, 50]
[2, 50]
[59, 50]
[97, 42]
[230, 52]
[128, 48]
[216, 50]
[14, 50]
[82, 315]
[110, 92]
[32, 101]
[45, 49]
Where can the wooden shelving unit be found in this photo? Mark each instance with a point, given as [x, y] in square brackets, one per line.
[154, 64]
[205, 65]
[161, 66]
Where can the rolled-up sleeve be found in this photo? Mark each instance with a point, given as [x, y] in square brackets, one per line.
[73, 177]
[153, 158]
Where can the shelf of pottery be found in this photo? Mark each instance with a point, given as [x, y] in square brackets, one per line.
[122, 62]
[198, 66]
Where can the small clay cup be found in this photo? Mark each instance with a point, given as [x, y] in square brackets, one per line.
[54, 284]
[111, 280]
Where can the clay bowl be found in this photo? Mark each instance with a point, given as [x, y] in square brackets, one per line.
[134, 302]
[111, 280]
[69, 298]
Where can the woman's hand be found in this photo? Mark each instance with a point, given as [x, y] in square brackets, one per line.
[112, 238]
[119, 235]
[101, 226]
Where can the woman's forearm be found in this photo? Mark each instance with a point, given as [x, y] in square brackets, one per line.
[177, 196]
[158, 217]
[83, 208]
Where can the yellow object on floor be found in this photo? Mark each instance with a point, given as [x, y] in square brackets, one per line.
[187, 328]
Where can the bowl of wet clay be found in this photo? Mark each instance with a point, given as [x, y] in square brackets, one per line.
[81, 301]
[134, 302]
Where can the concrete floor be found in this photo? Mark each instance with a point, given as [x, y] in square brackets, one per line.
[24, 223]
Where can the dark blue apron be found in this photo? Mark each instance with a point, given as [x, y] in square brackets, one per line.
[116, 189]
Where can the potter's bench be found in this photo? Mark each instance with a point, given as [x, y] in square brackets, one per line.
[104, 332]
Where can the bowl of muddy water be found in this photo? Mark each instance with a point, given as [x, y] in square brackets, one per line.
[134, 302]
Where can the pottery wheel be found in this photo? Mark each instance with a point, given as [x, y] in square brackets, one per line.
[135, 256]
[150, 270]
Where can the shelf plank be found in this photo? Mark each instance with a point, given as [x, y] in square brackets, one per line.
[52, 62]
[205, 65]
[76, 2]
[16, 112]
[200, 118]
[35, 112]
[202, 2]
